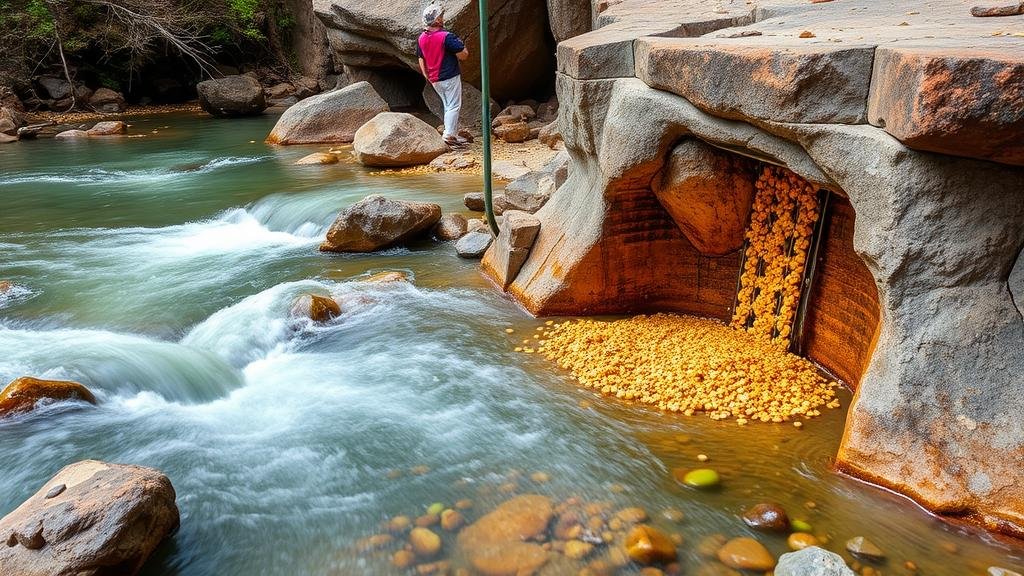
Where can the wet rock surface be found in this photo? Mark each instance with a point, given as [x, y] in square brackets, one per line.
[376, 222]
[23, 394]
[766, 516]
[496, 543]
[108, 519]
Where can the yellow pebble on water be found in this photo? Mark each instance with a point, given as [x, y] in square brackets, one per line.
[549, 322]
[519, 349]
[509, 330]
[702, 458]
[798, 424]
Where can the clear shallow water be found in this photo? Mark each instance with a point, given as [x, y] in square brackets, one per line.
[159, 272]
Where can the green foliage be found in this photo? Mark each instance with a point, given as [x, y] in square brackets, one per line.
[40, 19]
[247, 14]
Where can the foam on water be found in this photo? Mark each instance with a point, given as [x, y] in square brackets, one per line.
[104, 176]
[116, 364]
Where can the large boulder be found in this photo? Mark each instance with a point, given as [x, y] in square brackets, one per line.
[383, 35]
[331, 117]
[470, 116]
[376, 222]
[512, 247]
[709, 195]
[232, 96]
[531, 191]
[569, 18]
[10, 120]
[394, 139]
[109, 128]
[55, 88]
[23, 394]
[91, 518]
[496, 544]
[812, 561]
[107, 100]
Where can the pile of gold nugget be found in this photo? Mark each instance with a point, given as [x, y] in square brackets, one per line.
[781, 225]
[688, 365]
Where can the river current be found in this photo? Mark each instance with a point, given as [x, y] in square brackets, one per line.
[159, 272]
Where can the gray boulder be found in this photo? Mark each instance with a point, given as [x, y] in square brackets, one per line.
[812, 561]
[56, 88]
[232, 96]
[331, 117]
[376, 222]
[394, 139]
[91, 518]
[10, 121]
[474, 244]
[531, 191]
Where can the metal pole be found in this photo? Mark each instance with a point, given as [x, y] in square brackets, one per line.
[485, 93]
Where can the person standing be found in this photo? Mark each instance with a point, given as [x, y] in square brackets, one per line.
[439, 52]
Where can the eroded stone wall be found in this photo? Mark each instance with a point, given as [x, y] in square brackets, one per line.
[843, 313]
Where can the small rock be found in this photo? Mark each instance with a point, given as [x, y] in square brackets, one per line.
[672, 515]
[634, 515]
[427, 520]
[425, 543]
[646, 544]
[403, 559]
[709, 545]
[112, 128]
[387, 277]
[800, 540]
[701, 478]
[71, 135]
[474, 244]
[798, 525]
[746, 554]
[451, 227]
[767, 516]
[807, 34]
[399, 524]
[107, 101]
[496, 544]
[317, 308]
[513, 133]
[474, 201]
[577, 549]
[997, 571]
[864, 548]
[22, 394]
[56, 491]
[317, 158]
[5, 286]
[540, 477]
[231, 96]
[451, 520]
[550, 135]
[812, 561]
[7, 138]
[435, 508]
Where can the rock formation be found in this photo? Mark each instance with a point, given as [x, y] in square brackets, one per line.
[382, 35]
[91, 518]
[231, 96]
[930, 267]
[393, 139]
[328, 118]
[376, 222]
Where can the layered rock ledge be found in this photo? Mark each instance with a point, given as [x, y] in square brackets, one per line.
[912, 118]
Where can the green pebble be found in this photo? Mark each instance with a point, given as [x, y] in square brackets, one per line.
[800, 526]
[701, 478]
[436, 508]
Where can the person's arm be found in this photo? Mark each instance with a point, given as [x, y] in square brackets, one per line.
[423, 69]
[462, 55]
[456, 46]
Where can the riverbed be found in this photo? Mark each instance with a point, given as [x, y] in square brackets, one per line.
[159, 272]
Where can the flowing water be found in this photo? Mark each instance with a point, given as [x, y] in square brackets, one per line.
[159, 272]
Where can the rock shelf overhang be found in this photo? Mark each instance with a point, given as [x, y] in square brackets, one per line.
[914, 115]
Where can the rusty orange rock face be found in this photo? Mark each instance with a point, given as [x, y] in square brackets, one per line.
[22, 394]
[963, 102]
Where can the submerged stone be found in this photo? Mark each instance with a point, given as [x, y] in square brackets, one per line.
[646, 544]
[425, 543]
[766, 516]
[746, 554]
[495, 544]
[800, 540]
[812, 561]
[701, 478]
[864, 548]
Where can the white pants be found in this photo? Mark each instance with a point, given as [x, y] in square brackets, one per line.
[450, 91]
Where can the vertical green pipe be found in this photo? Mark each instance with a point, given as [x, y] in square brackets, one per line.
[485, 92]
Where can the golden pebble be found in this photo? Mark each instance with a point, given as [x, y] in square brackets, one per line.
[509, 330]
[702, 458]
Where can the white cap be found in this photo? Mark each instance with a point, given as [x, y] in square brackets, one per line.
[431, 13]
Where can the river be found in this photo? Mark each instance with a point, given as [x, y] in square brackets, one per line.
[159, 272]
